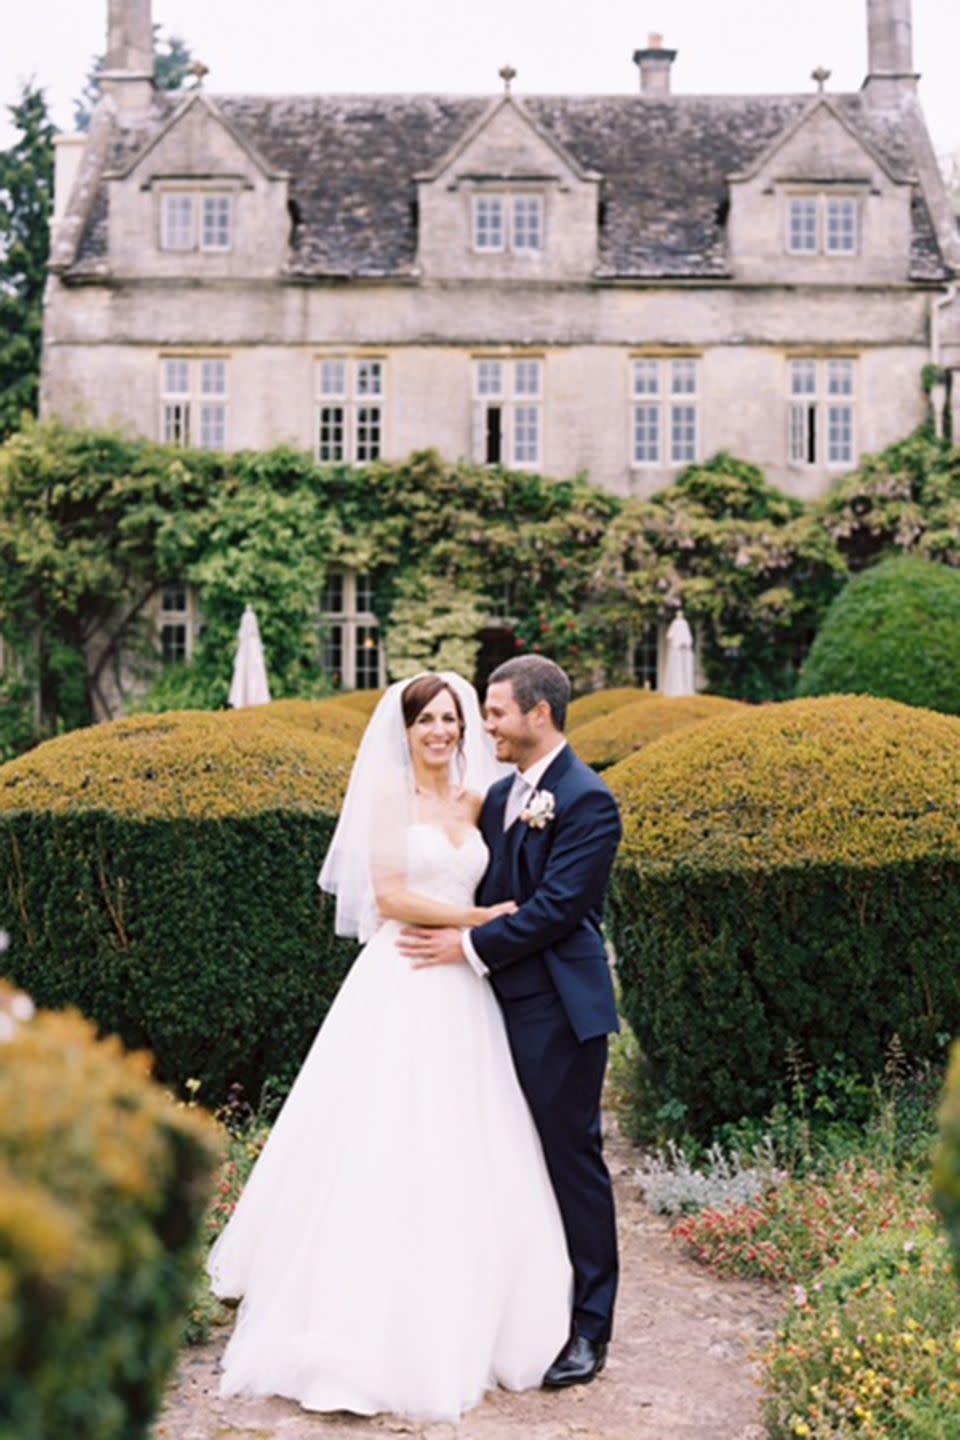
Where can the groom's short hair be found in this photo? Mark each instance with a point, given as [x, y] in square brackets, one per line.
[535, 678]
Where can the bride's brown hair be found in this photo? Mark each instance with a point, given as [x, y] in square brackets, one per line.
[418, 694]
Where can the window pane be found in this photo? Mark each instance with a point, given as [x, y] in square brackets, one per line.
[176, 377]
[839, 377]
[493, 435]
[368, 433]
[683, 434]
[174, 596]
[215, 230]
[333, 377]
[526, 435]
[803, 377]
[213, 377]
[369, 377]
[528, 222]
[331, 655]
[488, 222]
[176, 423]
[839, 434]
[646, 658]
[683, 377]
[646, 377]
[803, 237]
[331, 444]
[364, 594]
[332, 601]
[178, 222]
[841, 226]
[489, 377]
[173, 643]
[803, 434]
[646, 434]
[213, 426]
[367, 657]
[526, 377]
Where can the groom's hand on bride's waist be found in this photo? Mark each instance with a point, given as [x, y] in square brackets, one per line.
[431, 947]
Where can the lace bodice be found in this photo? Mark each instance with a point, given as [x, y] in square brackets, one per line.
[441, 870]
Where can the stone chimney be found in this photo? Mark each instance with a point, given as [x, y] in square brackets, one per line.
[654, 63]
[128, 76]
[890, 72]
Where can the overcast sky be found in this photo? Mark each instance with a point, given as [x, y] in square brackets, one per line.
[556, 46]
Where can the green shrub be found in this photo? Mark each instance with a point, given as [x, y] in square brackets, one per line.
[160, 873]
[365, 701]
[621, 732]
[946, 1168]
[602, 702]
[330, 718]
[789, 878]
[893, 632]
[103, 1187]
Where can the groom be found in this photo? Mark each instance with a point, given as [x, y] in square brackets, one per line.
[552, 831]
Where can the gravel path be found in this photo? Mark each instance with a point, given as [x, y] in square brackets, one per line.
[682, 1365]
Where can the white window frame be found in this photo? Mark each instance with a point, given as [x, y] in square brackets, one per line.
[665, 411]
[351, 631]
[351, 409]
[822, 203]
[513, 385]
[822, 412]
[514, 235]
[195, 401]
[172, 616]
[194, 233]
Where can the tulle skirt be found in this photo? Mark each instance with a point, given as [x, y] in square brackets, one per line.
[398, 1246]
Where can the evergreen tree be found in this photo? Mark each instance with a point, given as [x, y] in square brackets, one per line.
[26, 199]
[171, 66]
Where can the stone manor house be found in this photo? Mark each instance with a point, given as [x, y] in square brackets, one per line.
[617, 284]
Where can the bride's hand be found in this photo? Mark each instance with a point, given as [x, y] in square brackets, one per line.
[486, 913]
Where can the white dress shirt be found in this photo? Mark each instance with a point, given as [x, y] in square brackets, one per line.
[516, 800]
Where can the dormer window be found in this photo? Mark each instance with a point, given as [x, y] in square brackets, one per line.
[822, 224]
[508, 222]
[196, 220]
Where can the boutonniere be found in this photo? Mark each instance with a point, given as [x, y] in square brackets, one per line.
[539, 810]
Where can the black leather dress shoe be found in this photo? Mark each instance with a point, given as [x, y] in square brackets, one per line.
[579, 1361]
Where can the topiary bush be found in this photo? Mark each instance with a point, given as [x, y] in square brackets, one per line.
[603, 702]
[365, 701]
[788, 879]
[160, 873]
[103, 1186]
[619, 733]
[329, 718]
[893, 632]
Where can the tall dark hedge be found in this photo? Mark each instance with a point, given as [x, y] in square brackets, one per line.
[160, 874]
[893, 632]
[790, 879]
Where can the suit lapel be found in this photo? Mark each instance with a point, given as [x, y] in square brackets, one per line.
[552, 776]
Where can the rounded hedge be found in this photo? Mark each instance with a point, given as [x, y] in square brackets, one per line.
[612, 737]
[103, 1186]
[325, 717]
[160, 874]
[365, 701]
[602, 702]
[788, 878]
[893, 632]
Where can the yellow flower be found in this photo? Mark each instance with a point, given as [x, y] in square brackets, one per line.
[800, 1427]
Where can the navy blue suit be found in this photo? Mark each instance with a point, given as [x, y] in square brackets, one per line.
[549, 969]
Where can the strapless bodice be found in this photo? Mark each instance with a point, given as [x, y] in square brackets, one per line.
[440, 870]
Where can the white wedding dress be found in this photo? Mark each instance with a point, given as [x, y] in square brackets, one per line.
[398, 1246]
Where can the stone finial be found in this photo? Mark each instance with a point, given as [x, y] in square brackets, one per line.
[507, 73]
[198, 70]
[821, 75]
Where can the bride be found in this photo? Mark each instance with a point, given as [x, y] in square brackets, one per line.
[398, 1246]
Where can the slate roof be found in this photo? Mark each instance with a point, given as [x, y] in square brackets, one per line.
[664, 162]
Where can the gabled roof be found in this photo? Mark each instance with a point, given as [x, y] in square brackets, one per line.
[567, 160]
[820, 102]
[193, 100]
[665, 165]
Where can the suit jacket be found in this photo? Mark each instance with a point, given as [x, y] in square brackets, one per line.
[558, 876]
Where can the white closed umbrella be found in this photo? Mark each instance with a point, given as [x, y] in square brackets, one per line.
[249, 684]
[678, 676]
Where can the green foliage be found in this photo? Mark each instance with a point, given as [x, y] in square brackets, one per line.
[893, 632]
[160, 873]
[946, 1170]
[26, 200]
[788, 875]
[435, 625]
[103, 1187]
[612, 737]
[172, 59]
[751, 571]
